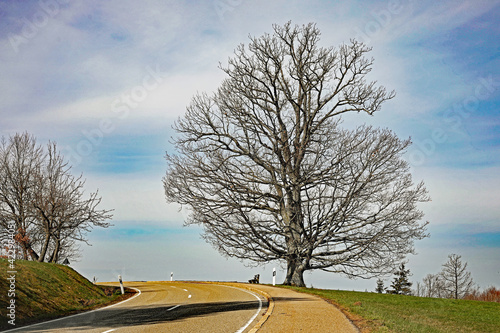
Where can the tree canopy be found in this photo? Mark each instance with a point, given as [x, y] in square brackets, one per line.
[265, 167]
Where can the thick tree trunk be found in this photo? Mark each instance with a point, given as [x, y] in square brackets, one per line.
[294, 273]
[295, 264]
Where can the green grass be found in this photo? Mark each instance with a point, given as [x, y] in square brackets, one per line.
[45, 291]
[374, 312]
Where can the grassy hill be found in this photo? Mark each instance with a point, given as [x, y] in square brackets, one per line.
[374, 312]
[45, 291]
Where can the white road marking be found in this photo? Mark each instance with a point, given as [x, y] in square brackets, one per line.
[174, 307]
[187, 291]
[114, 329]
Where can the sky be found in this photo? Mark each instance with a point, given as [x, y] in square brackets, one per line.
[107, 79]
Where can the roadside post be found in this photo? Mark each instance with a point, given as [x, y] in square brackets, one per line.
[274, 276]
[121, 284]
[171, 276]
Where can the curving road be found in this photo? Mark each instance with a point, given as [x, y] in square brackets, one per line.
[169, 307]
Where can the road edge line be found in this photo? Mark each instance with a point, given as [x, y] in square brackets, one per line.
[270, 306]
[244, 327]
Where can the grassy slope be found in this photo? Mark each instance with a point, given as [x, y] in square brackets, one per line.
[397, 313]
[45, 291]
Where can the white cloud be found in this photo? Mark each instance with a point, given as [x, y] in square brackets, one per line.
[135, 197]
[155, 105]
[461, 196]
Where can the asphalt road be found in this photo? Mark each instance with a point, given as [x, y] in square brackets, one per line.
[169, 307]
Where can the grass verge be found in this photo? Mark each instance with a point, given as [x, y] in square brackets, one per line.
[46, 291]
[373, 312]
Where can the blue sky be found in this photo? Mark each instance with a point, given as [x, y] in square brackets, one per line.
[106, 80]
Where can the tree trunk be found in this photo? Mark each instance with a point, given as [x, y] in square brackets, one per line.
[294, 273]
[28, 252]
[33, 254]
[23, 240]
[25, 252]
[43, 252]
[295, 264]
[57, 248]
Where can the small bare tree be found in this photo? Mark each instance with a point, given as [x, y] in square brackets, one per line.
[46, 203]
[457, 280]
[433, 286]
[265, 167]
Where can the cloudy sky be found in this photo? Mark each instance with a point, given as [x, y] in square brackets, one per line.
[106, 80]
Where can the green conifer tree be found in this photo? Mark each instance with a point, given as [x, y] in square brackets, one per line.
[400, 285]
[380, 286]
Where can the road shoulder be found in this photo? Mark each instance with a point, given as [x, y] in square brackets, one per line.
[291, 311]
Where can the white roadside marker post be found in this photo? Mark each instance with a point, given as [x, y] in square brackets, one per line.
[274, 276]
[171, 276]
[121, 284]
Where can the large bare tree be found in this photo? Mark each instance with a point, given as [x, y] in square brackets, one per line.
[265, 167]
